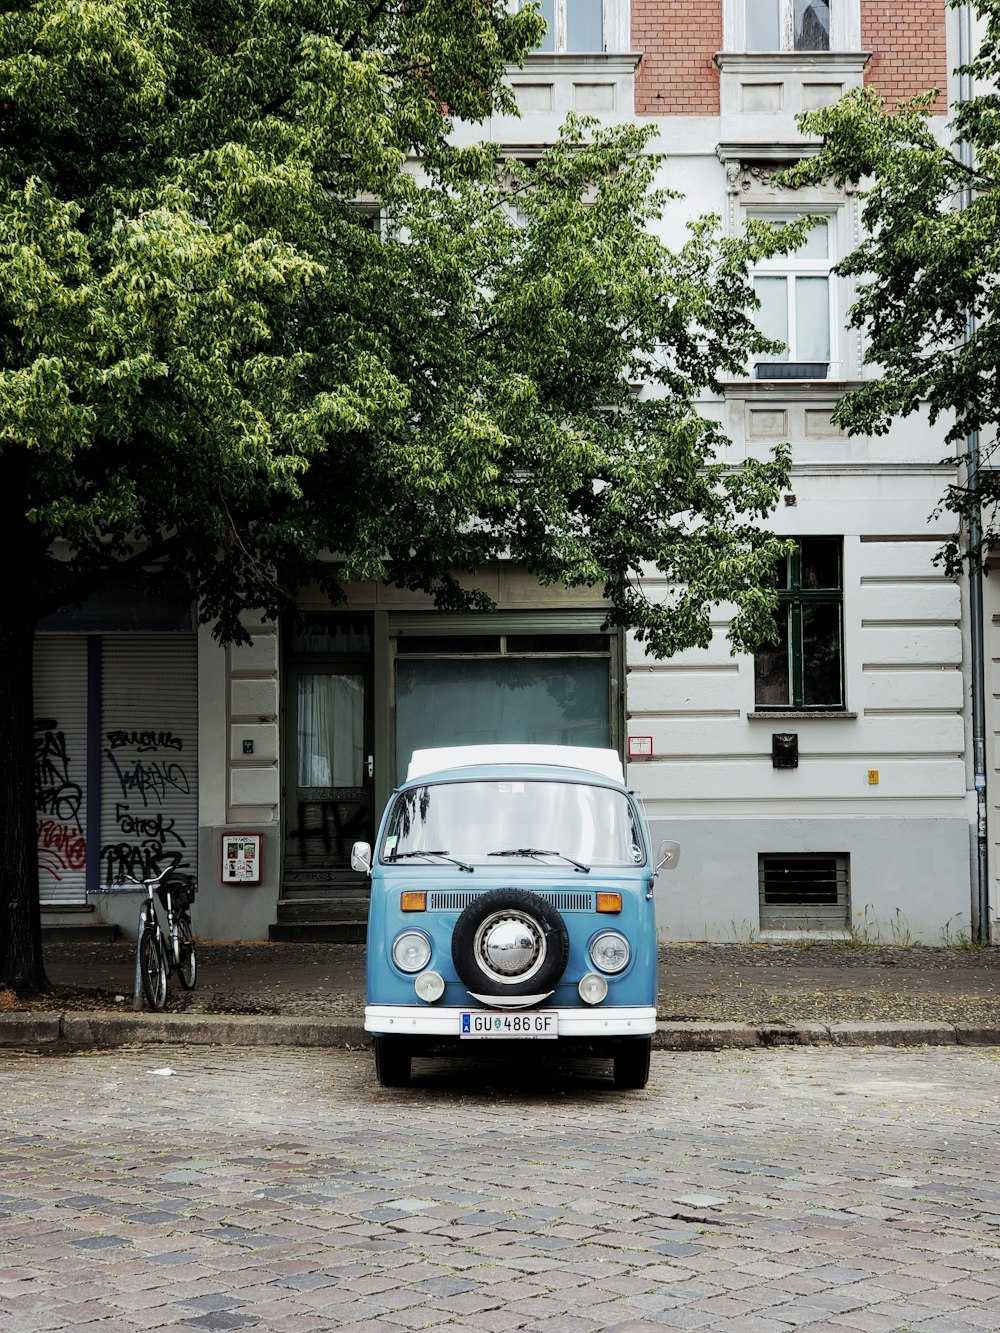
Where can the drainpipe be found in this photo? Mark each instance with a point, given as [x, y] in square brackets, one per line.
[981, 903]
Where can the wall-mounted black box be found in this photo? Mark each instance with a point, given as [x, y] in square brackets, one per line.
[784, 749]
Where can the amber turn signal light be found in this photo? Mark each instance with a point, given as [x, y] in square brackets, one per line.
[606, 902]
[414, 901]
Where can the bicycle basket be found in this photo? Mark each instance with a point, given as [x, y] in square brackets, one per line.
[181, 889]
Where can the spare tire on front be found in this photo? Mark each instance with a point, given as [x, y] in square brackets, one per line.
[510, 943]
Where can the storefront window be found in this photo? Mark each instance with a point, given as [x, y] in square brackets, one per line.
[477, 701]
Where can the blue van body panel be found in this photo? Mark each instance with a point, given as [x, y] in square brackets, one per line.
[635, 985]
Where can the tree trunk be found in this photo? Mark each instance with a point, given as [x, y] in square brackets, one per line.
[21, 967]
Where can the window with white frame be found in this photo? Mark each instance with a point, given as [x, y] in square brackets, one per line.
[574, 25]
[795, 292]
[787, 25]
[780, 27]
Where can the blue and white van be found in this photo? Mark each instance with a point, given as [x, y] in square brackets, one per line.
[512, 900]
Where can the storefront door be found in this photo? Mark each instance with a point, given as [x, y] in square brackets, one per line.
[329, 801]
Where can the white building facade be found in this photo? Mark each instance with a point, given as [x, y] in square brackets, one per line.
[823, 788]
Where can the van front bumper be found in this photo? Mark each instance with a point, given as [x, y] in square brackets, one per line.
[422, 1020]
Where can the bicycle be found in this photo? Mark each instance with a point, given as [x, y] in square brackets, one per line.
[162, 955]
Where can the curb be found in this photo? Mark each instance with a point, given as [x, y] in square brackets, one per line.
[93, 1030]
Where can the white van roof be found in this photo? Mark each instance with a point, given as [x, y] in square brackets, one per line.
[587, 757]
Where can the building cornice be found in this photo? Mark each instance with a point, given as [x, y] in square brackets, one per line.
[766, 152]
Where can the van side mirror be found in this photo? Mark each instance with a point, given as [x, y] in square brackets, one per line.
[361, 858]
[668, 855]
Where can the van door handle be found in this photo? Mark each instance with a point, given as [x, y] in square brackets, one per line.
[371, 765]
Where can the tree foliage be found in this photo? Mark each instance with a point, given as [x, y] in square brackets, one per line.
[210, 358]
[928, 270]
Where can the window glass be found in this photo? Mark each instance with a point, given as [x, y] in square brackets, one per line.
[340, 634]
[331, 714]
[812, 25]
[805, 668]
[817, 242]
[772, 673]
[448, 643]
[820, 557]
[578, 25]
[812, 319]
[772, 317]
[584, 25]
[558, 643]
[488, 700]
[471, 820]
[547, 9]
[821, 666]
[763, 25]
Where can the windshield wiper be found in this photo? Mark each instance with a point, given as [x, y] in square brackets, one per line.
[540, 851]
[402, 856]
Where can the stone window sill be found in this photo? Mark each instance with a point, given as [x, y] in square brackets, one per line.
[783, 713]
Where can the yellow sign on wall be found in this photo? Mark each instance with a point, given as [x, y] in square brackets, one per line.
[873, 777]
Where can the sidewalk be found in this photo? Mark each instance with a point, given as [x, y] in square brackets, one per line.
[710, 996]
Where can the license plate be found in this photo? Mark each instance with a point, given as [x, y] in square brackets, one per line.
[481, 1024]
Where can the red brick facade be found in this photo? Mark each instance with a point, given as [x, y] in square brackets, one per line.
[678, 39]
[907, 38]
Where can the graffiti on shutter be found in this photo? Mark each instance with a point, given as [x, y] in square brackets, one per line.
[149, 757]
[60, 686]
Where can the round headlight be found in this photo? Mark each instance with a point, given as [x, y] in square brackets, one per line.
[429, 986]
[592, 988]
[610, 951]
[411, 951]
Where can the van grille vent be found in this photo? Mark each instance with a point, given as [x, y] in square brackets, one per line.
[562, 900]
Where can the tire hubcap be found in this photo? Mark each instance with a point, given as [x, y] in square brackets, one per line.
[510, 946]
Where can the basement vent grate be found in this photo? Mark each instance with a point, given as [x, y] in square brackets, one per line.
[804, 891]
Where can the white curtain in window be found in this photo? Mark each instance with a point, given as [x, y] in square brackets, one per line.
[763, 25]
[584, 25]
[772, 317]
[812, 319]
[331, 740]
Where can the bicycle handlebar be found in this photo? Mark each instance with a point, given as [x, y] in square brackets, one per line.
[148, 881]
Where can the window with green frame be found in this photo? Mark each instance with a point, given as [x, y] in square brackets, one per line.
[805, 667]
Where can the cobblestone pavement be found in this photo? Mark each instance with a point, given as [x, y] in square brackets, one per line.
[284, 1190]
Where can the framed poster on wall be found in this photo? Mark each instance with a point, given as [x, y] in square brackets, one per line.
[241, 858]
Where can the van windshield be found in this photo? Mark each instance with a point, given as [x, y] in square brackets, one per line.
[490, 822]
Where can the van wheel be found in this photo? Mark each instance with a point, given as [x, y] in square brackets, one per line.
[631, 1063]
[510, 942]
[392, 1062]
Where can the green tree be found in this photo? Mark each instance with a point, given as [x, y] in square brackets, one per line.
[928, 272]
[210, 360]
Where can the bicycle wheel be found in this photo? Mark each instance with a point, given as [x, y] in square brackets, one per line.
[153, 970]
[185, 958]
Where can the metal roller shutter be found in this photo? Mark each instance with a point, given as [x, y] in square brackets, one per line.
[60, 679]
[149, 754]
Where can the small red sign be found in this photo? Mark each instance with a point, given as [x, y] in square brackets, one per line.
[640, 747]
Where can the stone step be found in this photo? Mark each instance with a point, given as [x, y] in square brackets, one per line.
[331, 908]
[89, 934]
[292, 892]
[318, 932]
